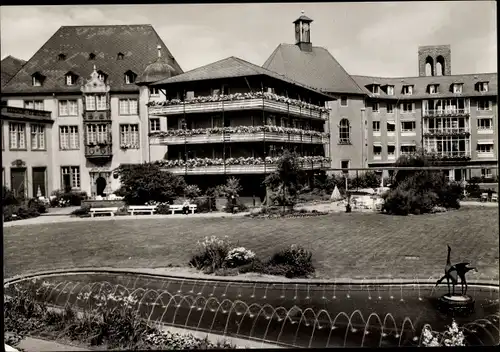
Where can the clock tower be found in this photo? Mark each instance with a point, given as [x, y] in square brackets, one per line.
[303, 32]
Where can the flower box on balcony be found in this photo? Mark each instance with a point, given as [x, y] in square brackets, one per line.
[344, 142]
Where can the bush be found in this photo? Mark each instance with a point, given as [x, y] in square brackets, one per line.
[211, 255]
[8, 197]
[473, 189]
[65, 199]
[294, 261]
[82, 211]
[19, 212]
[203, 204]
[163, 209]
[37, 205]
[238, 257]
[230, 207]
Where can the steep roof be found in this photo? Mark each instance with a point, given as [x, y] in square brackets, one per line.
[137, 43]
[10, 66]
[420, 85]
[228, 68]
[317, 68]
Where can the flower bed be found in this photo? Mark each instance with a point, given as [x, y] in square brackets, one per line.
[238, 130]
[239, 96]
[203, 162]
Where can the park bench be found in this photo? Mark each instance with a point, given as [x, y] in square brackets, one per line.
[494, 197]
[484, 197]
[141, 209]
[110, 211]
[178, 207]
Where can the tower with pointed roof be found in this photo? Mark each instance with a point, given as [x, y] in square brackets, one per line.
[303, 32]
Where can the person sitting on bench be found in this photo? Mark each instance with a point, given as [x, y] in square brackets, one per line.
[185, 207]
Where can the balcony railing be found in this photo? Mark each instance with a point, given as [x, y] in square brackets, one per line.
[200, 166]
[446, 113]
[237, 102]
[99, 150]
[449, 155]
[240, 134]
[23, 112]
[442, 132]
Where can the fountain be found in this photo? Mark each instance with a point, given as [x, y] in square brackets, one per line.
[288, 314]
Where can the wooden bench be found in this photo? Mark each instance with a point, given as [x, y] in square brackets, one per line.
[141, 209]
[178, 207]
[110, 211]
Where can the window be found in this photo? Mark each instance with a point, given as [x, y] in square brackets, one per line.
[154, 92]
[34, 104]
[406, 107]
[390, 108]
[69, 138]
[375, 107]
[154, 124]
[408, 149]
[485, 148]
[130, 77]
[485, 124]
[482, 86]
[433, 88]
[102, 76]
[408, 126]
[68, 107]
[344, 132]
[408, 90]
[484, 104]
[101, 102]
[377, 150]
[486, 173]
[37, 137]
[73, 178]
[376, 126]
[343, 101]
[129, 136]
[390, 90]
[391, 127]
[91, 56]
[128, 107]
[391, 150]
[375, 89]
[189, 95]
[70, 79]
[344, 165]
[457, 88]
[120, 56]
[95, 102]
[36, 80]
[61, 57]
[17, 136]
[97, 133]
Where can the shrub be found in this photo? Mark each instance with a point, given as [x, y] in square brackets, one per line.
[211, 255]
[163, 208]
[294, 261]
[8, 197]
[65, 199]
[239, 256]
[82, 211]
[37, 205]
[472, 188]
[230, 207]
[191, 192]
[454, 336]
[203, 204]
[19, 212]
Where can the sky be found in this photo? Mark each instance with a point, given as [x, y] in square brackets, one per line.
[375, 39]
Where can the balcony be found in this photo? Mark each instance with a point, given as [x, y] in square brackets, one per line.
[207, 166]
[97, 115]
[240, 134]
[99, 151]
[14, 112]
[449, 155]
[445, 132]
[446, 113]
[237, 102]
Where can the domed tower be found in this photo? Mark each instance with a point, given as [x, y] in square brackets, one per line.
[158, 70]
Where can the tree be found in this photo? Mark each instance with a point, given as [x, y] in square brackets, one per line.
[141, 183]
[192, 191]
[285, 181]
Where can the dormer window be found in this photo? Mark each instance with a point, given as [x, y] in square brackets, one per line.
[61, 57]
[120, 56]
[71, 79]
[154, 92]
[482, 87]
[408, 90]
[457, 88]
[390, 90]
[102, 76]
[375, 89]
[37, 79]
[130, 77]
[433, 88]
[91, 56]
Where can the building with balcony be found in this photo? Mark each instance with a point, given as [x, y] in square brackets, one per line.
[377, 119]
[84, 77]
[234, 118]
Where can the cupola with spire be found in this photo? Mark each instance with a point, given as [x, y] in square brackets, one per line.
[303, 32]
[158, 70]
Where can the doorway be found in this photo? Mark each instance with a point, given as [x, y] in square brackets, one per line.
[100, 184]
[18, 182]
[39, 182]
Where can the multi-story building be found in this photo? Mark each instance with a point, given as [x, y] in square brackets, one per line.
[84, 80]
[376, 119]
[233, 118]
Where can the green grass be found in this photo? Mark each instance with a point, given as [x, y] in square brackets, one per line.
[343, 245]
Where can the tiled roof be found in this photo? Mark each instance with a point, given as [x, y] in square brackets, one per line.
[228, 68]
[317, 68]
[10, 66]
[420, 85]
[137, 43]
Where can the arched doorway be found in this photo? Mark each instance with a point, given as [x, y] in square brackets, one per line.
[100, 185]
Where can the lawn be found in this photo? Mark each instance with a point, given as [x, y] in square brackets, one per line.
[343, 245]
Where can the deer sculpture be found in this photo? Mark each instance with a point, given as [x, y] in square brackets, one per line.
[453, 272]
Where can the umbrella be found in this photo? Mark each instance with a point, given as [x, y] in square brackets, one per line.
[335, 194]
